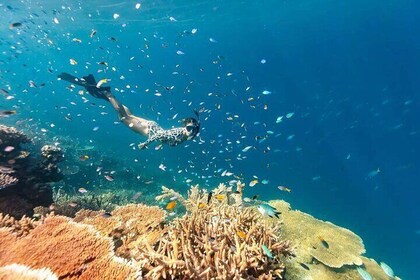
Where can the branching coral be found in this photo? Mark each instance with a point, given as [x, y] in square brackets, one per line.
[7, 180]
[220, 241]
[68, 249]
[20, 227]
[11, 136]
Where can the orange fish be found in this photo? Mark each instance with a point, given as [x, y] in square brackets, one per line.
[241, 234]
[171, 205]
[201, 205]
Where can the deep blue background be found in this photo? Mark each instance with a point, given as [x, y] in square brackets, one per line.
[349, 70]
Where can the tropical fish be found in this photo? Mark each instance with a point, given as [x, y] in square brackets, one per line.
[241, 234]
[268, 210]
[109, 178]
[73, 62]
[82, 190]
[220, 197]
[84, 157]
[171, 205]
[285, 189]
[387, 269]
[7, 112]
[255, 197]
[267, 251]
[101, 82]
[324, 243]
[201, 205]
[106, 215]
[365, 275]
[253, 183]
[15, 24]
[266, 92]
[246, 149]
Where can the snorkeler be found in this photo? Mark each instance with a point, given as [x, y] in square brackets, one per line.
[150, 129]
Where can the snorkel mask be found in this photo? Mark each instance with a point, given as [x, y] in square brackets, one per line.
[192, 125]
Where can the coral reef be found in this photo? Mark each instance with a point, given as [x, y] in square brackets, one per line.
[323, 250]
[25, 179]
[23, 272]
[218, 237]
[215, 241]
[68, 249]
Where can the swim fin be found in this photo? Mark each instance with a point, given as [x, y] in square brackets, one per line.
[89, 83]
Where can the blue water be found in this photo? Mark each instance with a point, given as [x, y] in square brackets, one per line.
[348, 70]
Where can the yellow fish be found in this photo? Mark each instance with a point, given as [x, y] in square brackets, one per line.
[73, 62]
[101, 82]
[171, 205]
[285, 189]
[201, 205]
[253, 183]
[241, 234]
[220, 197]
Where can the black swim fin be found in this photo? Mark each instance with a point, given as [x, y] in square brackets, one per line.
[89, 83]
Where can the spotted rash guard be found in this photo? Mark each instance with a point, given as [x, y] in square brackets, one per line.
[172, 137]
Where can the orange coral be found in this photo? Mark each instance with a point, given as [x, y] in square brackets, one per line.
[68, 249]
[20, 227]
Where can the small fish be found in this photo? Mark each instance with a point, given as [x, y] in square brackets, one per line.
[73, 204]
[84, 157]
[324, 243]
[109, 178]
[77, 40]
[220, 197]
[387, 269]
[72, 61]
[268, 210]
[93, 33]
[180, 52]
[246, 149]
[267, 251]
[7, 112]
[106, 215]
[365, 275]
[15, 24]
[9, 149]
[201, 205]
[253, 183]
[289, 115]
[241, 234]
[82, 190]
[171, 205]
[279, 119]
[265, 182]
[162, 167]
[137, 195]
[101, 82]
[304, 266]
[374, 173]
[266, 92]
[285, 189]
[209, 197]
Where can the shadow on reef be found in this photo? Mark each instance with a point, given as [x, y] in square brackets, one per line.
[25, 177]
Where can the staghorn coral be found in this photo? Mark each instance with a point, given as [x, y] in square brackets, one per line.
[20, 227]
[23, 272]
[68, 249]
[129, 225]
[220, 241]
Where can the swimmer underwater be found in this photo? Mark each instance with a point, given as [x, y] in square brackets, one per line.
[150, 129]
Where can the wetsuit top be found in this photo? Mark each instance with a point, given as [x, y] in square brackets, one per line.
[172, 137]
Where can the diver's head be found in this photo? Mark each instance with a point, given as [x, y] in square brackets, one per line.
[192, 127]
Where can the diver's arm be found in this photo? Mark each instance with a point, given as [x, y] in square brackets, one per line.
[143, 145]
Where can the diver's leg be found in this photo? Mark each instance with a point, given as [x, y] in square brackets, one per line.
[72, 79]
[137, 124]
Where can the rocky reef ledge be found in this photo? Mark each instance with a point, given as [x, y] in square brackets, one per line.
[219, 237]
[25, 175]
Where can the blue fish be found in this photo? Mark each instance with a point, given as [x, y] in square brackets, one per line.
[268, 210]
[267, 251]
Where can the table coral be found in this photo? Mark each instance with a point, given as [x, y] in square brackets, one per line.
[68, 249]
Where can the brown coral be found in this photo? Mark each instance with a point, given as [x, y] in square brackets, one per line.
[222, 242]
[11, 136]
[68, 249]
[128, 225]
[20, 227]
